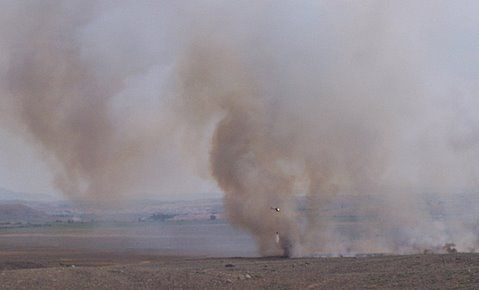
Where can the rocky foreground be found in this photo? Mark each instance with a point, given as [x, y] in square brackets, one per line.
[50, 269]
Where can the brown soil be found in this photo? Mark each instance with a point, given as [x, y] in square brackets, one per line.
[53, 269]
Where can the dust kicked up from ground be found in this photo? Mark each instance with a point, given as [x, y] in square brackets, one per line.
[264, 101]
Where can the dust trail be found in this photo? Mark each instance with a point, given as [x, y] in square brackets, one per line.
[65, 101]
[275, 102]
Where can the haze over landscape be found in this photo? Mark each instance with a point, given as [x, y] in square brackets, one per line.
[274, 128]
[144, 144]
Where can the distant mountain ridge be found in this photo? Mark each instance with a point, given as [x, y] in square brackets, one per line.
[22, 213]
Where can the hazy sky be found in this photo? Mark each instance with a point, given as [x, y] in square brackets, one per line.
[444, 33]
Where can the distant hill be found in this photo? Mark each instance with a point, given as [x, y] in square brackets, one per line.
[21, 213]
[9, 195]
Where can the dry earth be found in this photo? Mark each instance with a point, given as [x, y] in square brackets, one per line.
[53, 269]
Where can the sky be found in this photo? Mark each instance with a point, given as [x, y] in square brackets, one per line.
[443, 34]
[21, 167]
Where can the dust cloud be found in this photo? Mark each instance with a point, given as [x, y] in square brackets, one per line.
[289, 105]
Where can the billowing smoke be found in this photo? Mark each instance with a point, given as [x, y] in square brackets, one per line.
[292, 106]
[83, 107]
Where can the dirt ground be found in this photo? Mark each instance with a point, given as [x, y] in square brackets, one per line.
[54, 269]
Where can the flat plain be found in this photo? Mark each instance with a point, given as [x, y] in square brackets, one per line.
[205, 255]
[88, 269]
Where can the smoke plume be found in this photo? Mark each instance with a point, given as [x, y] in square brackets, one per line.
[276, 102]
